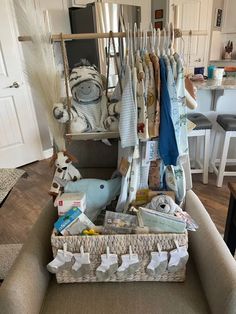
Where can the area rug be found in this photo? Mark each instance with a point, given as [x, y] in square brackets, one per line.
[8, 254]
[8, 178]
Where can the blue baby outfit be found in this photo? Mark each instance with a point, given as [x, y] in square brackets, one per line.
[167, 141]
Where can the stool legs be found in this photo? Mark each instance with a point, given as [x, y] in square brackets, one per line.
[202, 168]
[206, 156]
[223, 159]
[215, 150]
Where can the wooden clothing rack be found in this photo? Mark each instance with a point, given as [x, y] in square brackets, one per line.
[178, 33]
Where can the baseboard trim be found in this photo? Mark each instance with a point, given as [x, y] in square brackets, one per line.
[47, 153]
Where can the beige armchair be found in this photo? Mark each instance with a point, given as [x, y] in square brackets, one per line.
[210, 285]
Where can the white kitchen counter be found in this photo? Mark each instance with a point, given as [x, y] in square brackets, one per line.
[214, 99]
[226, 83]
[217, 89]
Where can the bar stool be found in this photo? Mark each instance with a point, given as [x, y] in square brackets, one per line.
[226, 126]
[202, 129]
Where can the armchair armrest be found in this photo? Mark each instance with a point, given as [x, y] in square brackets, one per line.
[215, 264]
[24, 288]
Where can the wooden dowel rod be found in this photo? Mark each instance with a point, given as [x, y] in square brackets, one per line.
[57, 37]
[194, 33]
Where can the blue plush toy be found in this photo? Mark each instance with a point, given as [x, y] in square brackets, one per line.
[99, 193]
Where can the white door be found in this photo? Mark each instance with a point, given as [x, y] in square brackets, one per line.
[19, 136]
[193, 15]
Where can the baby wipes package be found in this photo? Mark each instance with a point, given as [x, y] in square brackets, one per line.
[66, 201]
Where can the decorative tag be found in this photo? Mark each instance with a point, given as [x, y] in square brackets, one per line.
[124, 166]
[151, 150]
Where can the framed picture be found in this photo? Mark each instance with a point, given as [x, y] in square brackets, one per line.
[158, 14]
[159, 25]
[218, 17]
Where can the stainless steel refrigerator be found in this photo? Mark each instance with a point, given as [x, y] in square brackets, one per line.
[95, 18]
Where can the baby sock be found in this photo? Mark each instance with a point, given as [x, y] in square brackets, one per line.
[107, 267]
[81, 266]
[130, 264]
[63, 260]
[158, 263]
[178, 258]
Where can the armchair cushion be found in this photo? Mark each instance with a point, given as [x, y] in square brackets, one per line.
[130, 298]
[29, 288]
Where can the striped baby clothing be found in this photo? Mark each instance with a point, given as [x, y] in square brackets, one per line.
[128, 113]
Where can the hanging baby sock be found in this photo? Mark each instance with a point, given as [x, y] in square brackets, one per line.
[107, 267]
[130, 264]
[81, 266]
[178, 258]
[63, 260]
[158, 263]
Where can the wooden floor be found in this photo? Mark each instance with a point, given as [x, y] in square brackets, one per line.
[29, 196]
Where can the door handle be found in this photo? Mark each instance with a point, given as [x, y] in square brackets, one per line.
[14, 85]
[198, 60]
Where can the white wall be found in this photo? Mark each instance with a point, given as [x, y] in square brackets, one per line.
[58, 11]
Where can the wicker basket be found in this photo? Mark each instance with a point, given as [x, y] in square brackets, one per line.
[142, 244]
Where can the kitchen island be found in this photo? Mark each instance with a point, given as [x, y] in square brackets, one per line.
[215, 98]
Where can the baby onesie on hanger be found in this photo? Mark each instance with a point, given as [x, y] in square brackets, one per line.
[173, 99]
[180, 88]
[154, 171]
[156, 66]
[146, 81]
[173, 66]
[151, 96]
[141, 104]
[128, 113]
[167, 141]
[178, 171]
[135, 166]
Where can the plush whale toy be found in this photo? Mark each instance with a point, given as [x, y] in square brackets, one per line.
[99, 193]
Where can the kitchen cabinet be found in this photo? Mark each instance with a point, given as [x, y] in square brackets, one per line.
[229, 20]
[192, 15]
